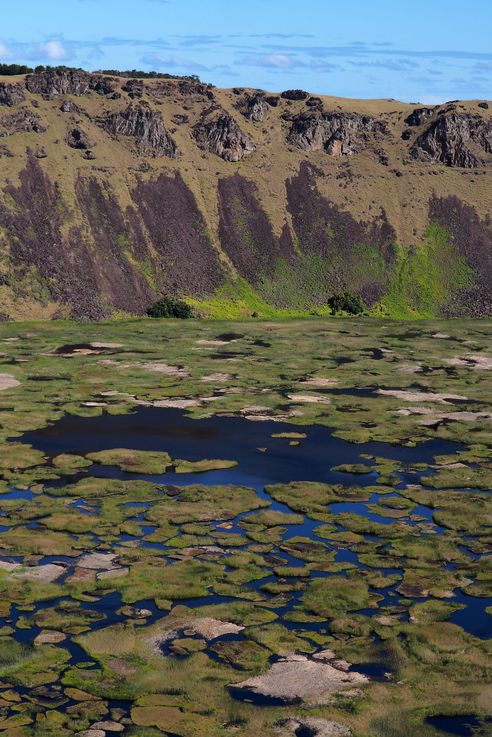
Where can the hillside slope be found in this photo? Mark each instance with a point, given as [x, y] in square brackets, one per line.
[114, 191]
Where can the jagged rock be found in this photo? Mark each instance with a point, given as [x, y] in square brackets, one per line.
[135, 88]
[146, 126]
[315, 102]
[484, 105]
[77, 138]
[295, 679]
[11, 94]
[192, 87]
[223, 136]
[272, 100]
[40, 153]
[23, 121]
[294, 95]
[255, 108]
[419, 115]
[68, 106]
[447, 140]
[336, 133]
[315, 727]
[102, 85]
[180, 118]
[90, 155]
[54, 82]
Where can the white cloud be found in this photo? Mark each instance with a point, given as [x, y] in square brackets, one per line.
[54, 50]
[5, 52]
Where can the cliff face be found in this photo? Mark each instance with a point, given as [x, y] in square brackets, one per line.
[114, 191]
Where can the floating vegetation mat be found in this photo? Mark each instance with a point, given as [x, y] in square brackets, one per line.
[296, 541]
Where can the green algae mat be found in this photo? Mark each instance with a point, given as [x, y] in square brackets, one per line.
[211, 529]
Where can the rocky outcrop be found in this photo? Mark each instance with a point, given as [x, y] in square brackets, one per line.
[222, 136]
[419, 115]
[77, 138]
[54, 82]
[455, 139]
[294, 95]
[146, 126]
[194, 87]
[255, 108]
[134, 88]
[68, 106]
[22, 121]
[296, 679]
[337, 133]
[11, 94]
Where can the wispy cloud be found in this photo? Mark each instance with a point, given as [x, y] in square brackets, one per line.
[5, 51]
[173, 62]
[271, 61]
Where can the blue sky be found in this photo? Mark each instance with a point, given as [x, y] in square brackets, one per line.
[414, 50]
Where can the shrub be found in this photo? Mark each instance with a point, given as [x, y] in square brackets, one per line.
[170, 307]
[346, 302]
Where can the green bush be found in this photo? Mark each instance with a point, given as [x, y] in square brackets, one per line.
[346, 302]
[170, 307]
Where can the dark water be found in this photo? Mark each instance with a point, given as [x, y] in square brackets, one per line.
[262, 460]
[463, 726]
[231, 438]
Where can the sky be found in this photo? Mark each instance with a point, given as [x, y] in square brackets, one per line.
[425, 51]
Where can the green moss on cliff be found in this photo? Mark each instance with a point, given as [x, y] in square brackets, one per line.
[426, 278]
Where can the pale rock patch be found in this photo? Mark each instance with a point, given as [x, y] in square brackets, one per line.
[316, 727]
[97, 561]
[207, 628]
[7, 381]
[319, 381]
[51, 637]
[416, 396]
[47, 573]
[295, 679]
[309, 398]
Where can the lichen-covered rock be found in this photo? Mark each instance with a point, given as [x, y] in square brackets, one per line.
[146, 126]
[255, 108]
[419, 115]
[11, 94]
[337, 133]
[77, 138]
[22, 121]
[54, 82]
[69, 106]
[455, 139]
[222, 136]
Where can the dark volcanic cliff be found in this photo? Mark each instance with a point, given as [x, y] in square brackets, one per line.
[114, 191]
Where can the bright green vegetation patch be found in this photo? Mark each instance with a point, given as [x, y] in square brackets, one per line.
[133, 461]
[426, 278]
